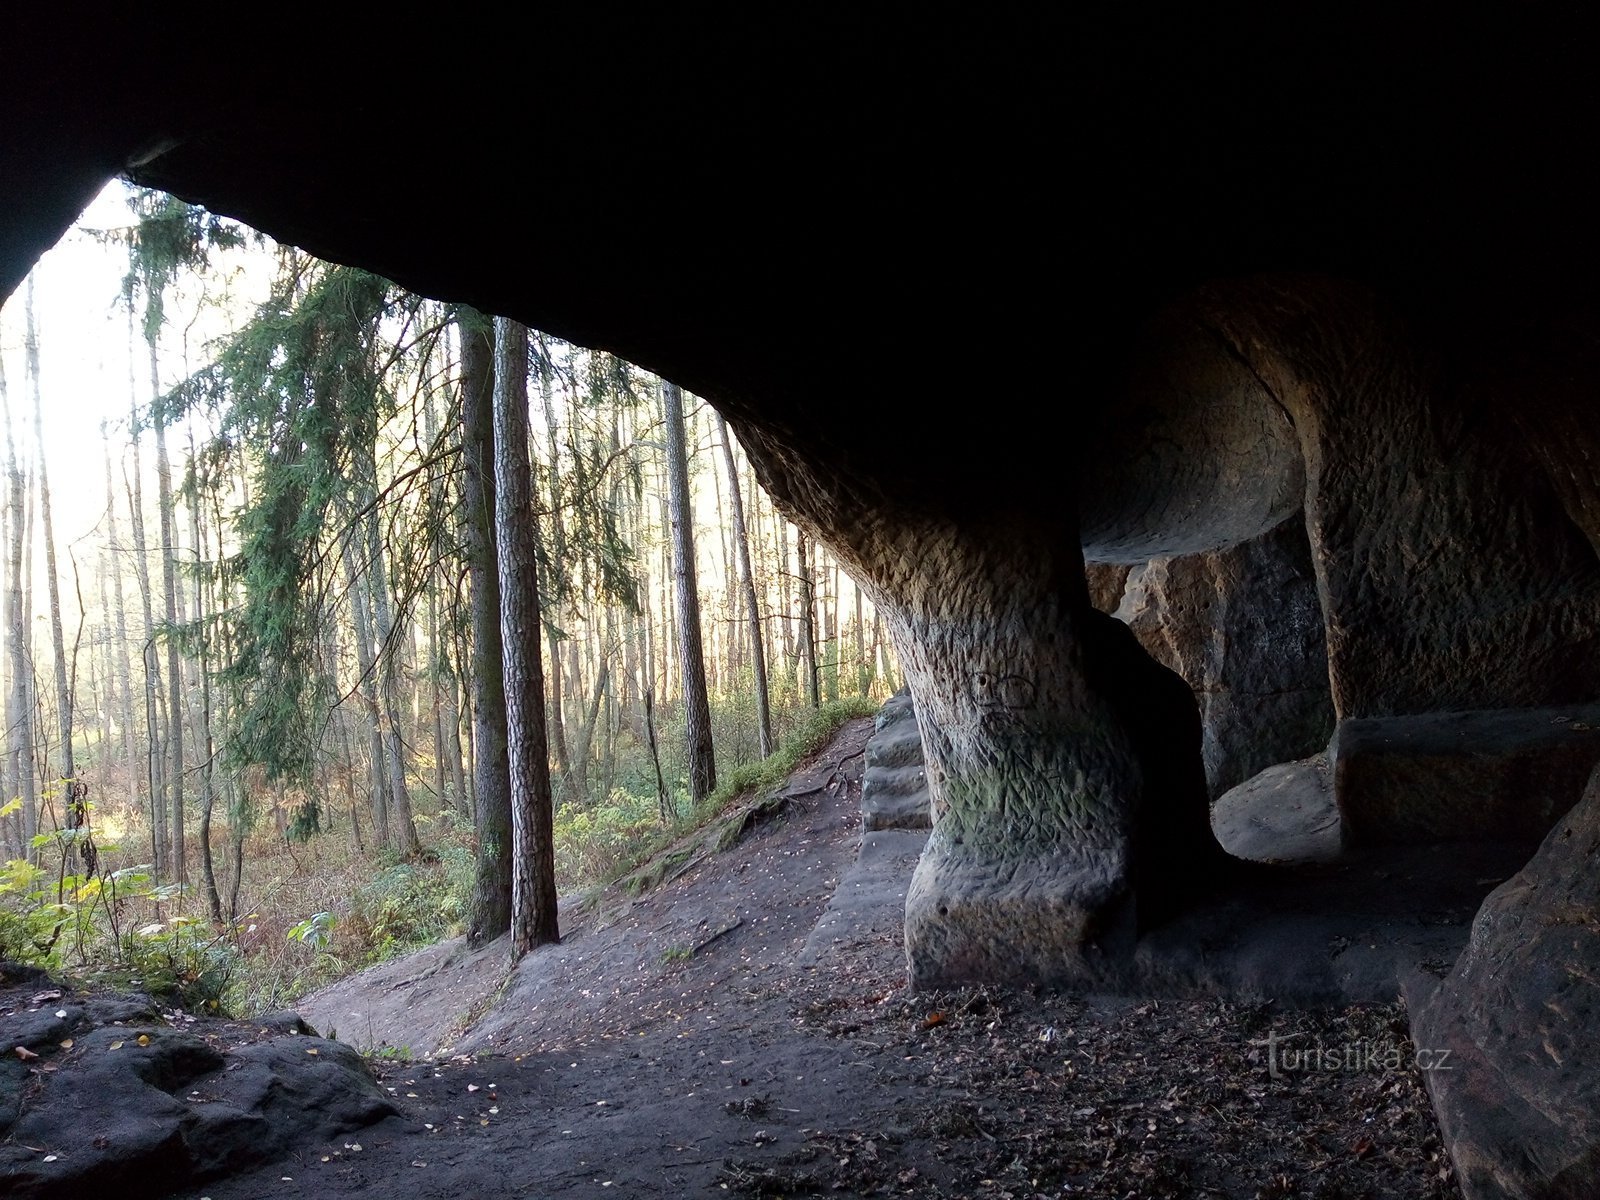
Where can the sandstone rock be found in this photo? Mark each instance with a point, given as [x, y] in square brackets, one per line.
[1107, 582]
[1285, 814]
[1450, 574]
[1518, 1097]
[1243, 626]
[894, 788]
[1507, 773]
[142, 1109]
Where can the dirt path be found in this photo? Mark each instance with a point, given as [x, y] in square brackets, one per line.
[690, 1043]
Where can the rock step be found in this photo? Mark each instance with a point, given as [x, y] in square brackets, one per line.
[909, 780]
[898, 745]
[897, 812]
[894, 787]
[1507, 773]
[869, 905]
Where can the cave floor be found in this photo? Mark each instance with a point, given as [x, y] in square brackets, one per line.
[737, 1033]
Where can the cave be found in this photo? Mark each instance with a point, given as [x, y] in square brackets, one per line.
[1279, 346]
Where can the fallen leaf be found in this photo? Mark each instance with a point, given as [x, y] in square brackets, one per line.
[144, 1039]
[24, 1053]
[66, 1044]
[116, 1046]
[932, 1019]
[49, 1158]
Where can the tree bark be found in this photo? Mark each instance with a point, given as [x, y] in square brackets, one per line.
[691, 661]
[154, 760]
[490, 914]
[747, 584]
[361, 621]
[533, 882]
[169, 585]
[808, 627]
[403, 824]
[120, 615]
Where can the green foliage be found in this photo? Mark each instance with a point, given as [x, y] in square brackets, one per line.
[810, 735]
[588, 841]
[56, 920]
[30, 920]
[410, 905]
[315, 931]
[169, 238]
[183, 959]
[607, 842]
[306, 822]
[303, 387]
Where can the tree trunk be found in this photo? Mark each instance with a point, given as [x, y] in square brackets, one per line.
[558, 557]
[19, 713]
[691, 662]
[490, 914]
[533, 881]
[52, 580]
[863, 667]
[206, 743]
[403, 825]
[747, 583]
[808, 628]
[361, 621]
[169, 586]
[154, 762]
[119, 612]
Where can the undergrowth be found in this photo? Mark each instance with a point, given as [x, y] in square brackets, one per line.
[653, 845]
[315, 912]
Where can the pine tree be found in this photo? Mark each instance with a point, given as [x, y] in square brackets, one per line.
[691, 659]
[533, 878]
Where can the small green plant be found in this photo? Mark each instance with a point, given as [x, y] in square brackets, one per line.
[183, 959]
[676, 954]
[315, 931]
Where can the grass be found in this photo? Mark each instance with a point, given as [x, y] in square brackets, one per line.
[659, 857]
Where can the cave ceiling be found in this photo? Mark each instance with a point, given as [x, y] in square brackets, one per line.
[823, 222]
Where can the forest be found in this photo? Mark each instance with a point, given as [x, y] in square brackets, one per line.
[388, 620]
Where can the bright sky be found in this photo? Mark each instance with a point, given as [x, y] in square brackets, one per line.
[84, 368]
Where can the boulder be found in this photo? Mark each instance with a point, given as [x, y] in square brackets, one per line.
[1243, 626]
[102, 1094]
[1285, 814]
[1107, 582]
[1511, 1031]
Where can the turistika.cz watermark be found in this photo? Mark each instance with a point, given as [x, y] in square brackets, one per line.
[1284, 1058]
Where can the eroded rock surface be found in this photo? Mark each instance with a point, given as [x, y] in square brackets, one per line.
[1243, 626]
[894, 790]
[1440, 777]
[1286, 814]
[1520, 1102]
[108, 1094]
